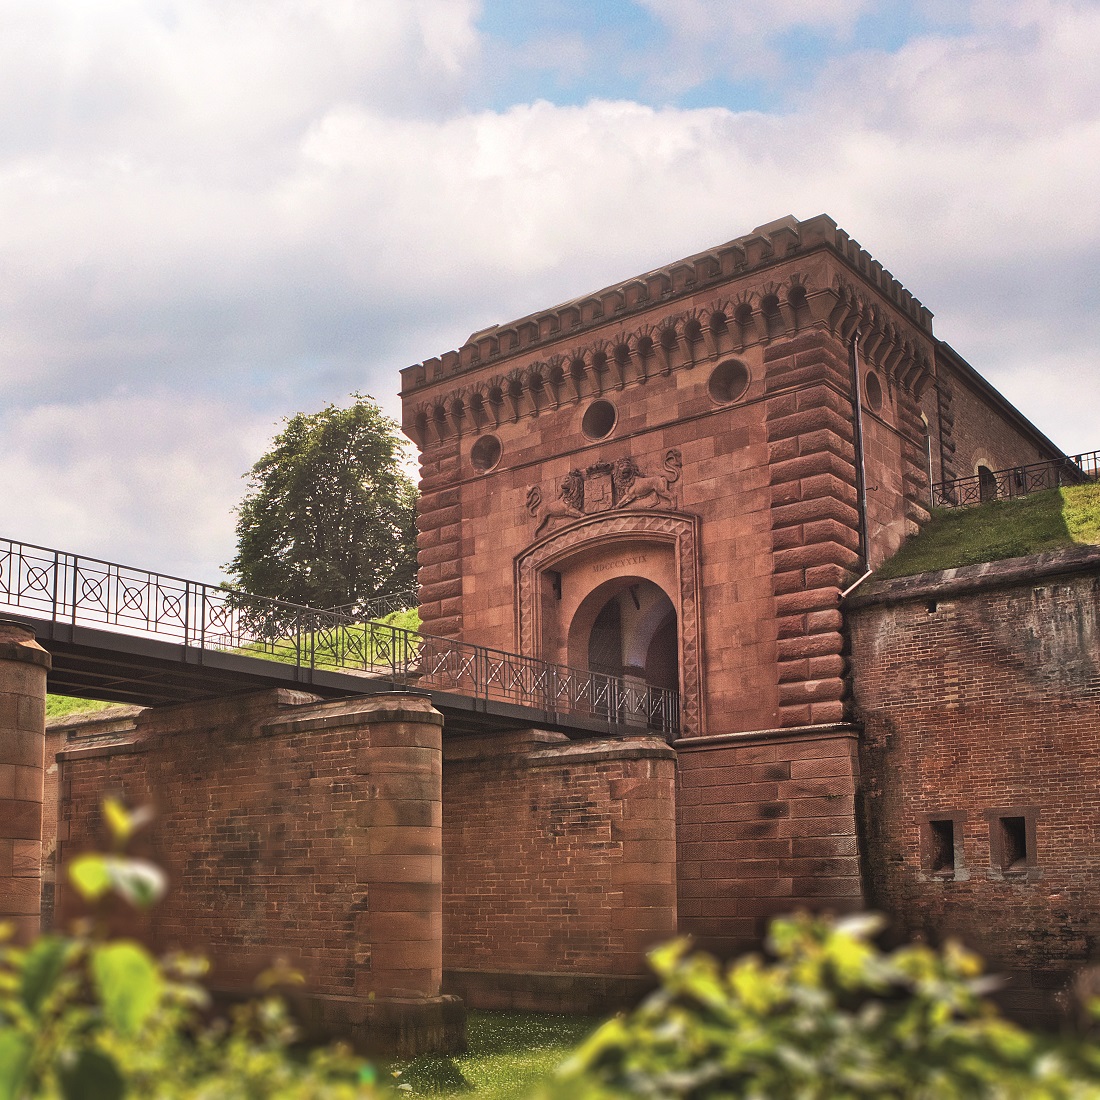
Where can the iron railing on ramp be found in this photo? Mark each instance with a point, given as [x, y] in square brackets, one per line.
[82, 591]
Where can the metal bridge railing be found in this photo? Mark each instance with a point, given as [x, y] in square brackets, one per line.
[67, 588]
[1017, 482]
[378, 607]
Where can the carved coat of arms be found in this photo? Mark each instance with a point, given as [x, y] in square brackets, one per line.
[604, 486]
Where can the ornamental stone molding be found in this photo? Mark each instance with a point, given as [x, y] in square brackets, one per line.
[678, 531]
[603, 486]
[776, 301]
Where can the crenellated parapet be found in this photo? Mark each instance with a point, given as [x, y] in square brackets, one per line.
[631, 332]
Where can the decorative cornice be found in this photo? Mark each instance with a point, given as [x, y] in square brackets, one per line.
[767, 245]
[891, 348]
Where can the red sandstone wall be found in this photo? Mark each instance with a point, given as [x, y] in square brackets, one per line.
[769, 475]
[766, 827]
[270, 826]
[559, 871]
[725, 481]
[980, 700]
[234, 812]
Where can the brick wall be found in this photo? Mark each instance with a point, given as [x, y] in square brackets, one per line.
[977, 429]
[289, 829]
[766, 826]
[559, 871]
[98, 727]
[979, 693]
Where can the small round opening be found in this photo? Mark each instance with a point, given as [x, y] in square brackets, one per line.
[873, 388]
[728, 381]
[599, 419]
[485, 453]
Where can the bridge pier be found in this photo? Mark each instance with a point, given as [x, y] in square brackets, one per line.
[23, 667]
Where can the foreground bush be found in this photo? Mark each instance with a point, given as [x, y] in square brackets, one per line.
[84, 1017]
[830, 1017]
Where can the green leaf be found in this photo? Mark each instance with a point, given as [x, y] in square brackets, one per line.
[42, 966]
[91, 875]
[118, 820]
[15, 1057]
[138, 881]
[141, 883]
[93, 1076]
[129, 984]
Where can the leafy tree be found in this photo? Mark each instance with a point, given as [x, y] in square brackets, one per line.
[329, 516]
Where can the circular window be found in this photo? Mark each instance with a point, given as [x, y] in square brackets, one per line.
[599, 419]
[485, 453]
[728, 381]
[873, 388]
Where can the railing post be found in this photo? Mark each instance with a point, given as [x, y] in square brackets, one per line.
[76, 574]
[56, 582]
[481, 672]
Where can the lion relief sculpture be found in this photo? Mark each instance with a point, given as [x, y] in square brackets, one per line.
[634, 487]
[630, 487]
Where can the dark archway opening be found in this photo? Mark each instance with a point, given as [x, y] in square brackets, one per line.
[987, 484]
[634, 637]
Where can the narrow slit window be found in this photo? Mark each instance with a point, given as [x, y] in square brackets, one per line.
[942, 853]
[1014, 853]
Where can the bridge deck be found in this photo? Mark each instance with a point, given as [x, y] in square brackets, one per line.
[92, 663]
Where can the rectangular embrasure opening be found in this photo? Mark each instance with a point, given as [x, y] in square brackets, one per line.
[1014, 852]
[942, 848]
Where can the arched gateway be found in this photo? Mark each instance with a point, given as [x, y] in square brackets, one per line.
[617, 592]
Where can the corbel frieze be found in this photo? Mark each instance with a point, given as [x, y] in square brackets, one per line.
[679, 341]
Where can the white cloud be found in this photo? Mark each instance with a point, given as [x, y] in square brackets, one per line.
[149, 480]
[174, 278]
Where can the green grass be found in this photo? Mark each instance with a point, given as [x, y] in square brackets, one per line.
[510, 1053]
[1001, 529]
[57, 706]
[334, 649]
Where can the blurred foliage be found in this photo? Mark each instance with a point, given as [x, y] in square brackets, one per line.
[84, 1017]
[830, 1017]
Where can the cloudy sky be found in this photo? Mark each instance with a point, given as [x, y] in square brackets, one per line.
[216, 213]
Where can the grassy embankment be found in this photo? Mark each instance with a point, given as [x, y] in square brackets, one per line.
[1050, 520]
[58, 706]
[510, 1053]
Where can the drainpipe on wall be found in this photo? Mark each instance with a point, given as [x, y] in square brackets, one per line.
[861, 471]
[931, 482]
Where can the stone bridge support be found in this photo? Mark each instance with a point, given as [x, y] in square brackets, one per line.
[296, 828]
[23, 667]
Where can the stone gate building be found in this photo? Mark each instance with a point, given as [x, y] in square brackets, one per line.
[681, 481]
[674, 479]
